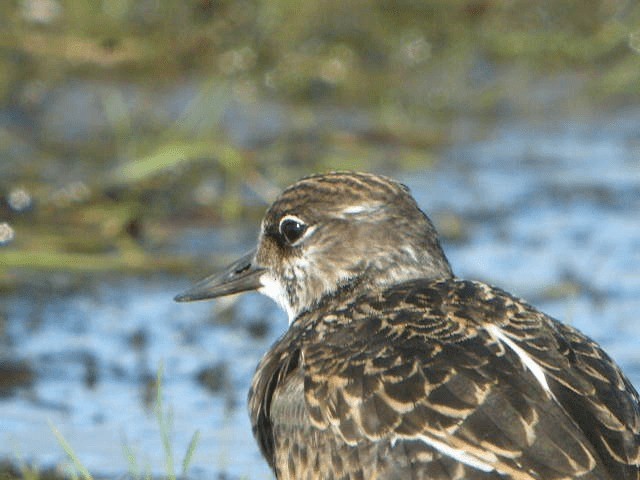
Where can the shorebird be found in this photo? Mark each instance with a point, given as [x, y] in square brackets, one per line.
[393, 368]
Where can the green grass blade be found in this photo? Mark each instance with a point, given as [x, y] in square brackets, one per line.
[132, 463]
[191, 449]
[79, 467]
[163, 158]
[165, 422]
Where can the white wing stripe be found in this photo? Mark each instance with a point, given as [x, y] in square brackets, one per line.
[459, 455]
[526, 359]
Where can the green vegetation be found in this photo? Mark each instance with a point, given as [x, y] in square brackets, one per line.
[346, 85]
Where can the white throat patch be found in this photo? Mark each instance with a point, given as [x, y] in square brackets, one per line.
[273, 289]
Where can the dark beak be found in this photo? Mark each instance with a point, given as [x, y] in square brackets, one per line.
[240, 276]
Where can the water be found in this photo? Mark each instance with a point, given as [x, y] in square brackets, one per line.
[548, 212]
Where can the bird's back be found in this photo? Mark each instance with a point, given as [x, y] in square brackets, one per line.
[442, 380]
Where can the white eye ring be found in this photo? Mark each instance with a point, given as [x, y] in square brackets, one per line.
[293, 229]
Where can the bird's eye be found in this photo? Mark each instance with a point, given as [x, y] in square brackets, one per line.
[292, 229]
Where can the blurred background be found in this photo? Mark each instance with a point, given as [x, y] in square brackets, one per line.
[140, 142]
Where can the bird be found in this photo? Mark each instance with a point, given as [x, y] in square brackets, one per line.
[392, 367]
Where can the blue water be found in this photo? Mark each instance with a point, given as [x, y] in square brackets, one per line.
[544, 208]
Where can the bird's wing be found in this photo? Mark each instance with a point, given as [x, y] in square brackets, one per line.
[458, 380]
[277, 368]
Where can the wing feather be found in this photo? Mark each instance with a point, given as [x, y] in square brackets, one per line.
[437, 376]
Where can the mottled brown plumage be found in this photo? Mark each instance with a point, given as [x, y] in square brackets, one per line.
[392, 368]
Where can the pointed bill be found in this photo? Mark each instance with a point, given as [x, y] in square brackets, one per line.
[240, 276]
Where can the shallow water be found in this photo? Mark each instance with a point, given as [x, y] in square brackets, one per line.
[546, 211]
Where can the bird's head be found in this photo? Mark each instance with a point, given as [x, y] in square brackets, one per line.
[333, 231]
